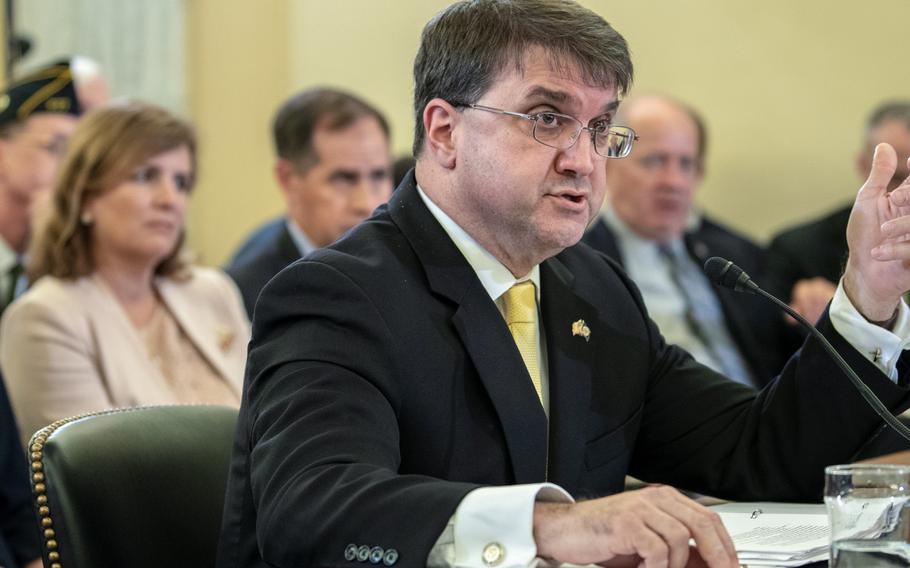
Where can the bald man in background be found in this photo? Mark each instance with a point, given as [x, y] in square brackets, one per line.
[806, 261]
[649, 223]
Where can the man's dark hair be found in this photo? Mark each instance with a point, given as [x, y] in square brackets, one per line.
[299, 117]
[888, 111]
[465, 47]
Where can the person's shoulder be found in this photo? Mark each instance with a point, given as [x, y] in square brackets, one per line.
[200, 281]
[583, 259]
[259, 242]
[823, 227]
[53, 292]
[52, 299]
[376, 244]
[717, 232]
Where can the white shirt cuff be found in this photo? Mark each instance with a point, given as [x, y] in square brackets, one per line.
[877, 344]
[494, 525]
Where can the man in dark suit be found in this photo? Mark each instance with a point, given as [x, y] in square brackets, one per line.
[334, 168]
[416, 391]
[806, 261]
[649, 225]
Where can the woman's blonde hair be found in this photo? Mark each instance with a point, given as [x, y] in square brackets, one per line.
[107, 147]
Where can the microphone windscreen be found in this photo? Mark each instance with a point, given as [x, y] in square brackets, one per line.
[721, 271]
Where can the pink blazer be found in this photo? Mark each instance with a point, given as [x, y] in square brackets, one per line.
[68, 347]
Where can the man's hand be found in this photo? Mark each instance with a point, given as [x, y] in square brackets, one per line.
[878, 269]
[809, 298]
[650, 527]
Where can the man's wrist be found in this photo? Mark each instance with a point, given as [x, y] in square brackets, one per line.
[549, 519]
[881, 314]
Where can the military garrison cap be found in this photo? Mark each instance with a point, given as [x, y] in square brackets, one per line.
[49, 89]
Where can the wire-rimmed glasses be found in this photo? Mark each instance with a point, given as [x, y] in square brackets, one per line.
[561, 131]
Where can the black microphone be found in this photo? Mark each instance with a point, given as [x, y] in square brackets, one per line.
[724, 273]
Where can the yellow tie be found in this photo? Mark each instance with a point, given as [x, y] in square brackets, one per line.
[520, 306]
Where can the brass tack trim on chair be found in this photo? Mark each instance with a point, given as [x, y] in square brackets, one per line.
[39, 489]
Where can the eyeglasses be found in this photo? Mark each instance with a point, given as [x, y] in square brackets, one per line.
[561, 131]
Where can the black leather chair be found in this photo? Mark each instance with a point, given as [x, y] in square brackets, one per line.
[139, 487]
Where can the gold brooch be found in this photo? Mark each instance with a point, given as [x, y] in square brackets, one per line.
[581, 328]
[226, 337]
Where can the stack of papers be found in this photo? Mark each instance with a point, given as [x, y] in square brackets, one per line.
[777, 534]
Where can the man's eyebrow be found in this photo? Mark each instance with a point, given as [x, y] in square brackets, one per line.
[611, 107]
[540, 92]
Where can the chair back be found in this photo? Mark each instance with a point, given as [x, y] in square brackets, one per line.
[139, 487]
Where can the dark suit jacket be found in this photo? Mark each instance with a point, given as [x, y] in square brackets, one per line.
[269, 249]
[757, 327]
[817, 248]
[19, 541]
[383, 385]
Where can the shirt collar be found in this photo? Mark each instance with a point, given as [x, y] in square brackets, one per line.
[303, 243]
[494, 276]
[624, 232]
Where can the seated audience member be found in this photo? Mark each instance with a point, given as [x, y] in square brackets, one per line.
[115, 316]
[36, 122]
[19, 544]
[651, 226]
[333, 166]
[421, 391]
[38, 115]
[805, 262]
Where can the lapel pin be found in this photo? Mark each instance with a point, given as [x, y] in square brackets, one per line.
[581, 328]
[226, 337]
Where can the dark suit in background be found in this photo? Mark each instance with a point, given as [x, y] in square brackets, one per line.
[383, 385]
[757, 328]
[265, 252]
[19, 542]
[817, 248]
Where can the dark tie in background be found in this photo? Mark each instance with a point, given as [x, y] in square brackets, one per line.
[703, 313]
[12, 279]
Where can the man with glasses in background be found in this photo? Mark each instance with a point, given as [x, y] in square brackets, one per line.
[651, 226]
[435, 387]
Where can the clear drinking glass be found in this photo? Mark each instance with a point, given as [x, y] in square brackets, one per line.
[869, 515]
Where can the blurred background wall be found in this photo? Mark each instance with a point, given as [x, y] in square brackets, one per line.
[785, 87]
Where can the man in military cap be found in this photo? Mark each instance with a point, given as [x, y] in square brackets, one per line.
[38, 113]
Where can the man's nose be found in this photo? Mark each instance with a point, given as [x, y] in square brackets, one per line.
[578, 160]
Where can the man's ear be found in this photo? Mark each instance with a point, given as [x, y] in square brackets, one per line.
[439, 122]
[285, 173]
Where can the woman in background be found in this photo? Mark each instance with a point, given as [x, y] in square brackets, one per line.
[115, 316]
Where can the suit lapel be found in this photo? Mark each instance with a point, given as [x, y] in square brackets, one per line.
[198, 325]
[569, 360]
[482, 331]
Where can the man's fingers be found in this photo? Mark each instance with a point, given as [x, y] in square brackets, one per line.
[897, 228]
[652, 548]
[901, 194]
[711, 538]
[892, 250]
[884, 162]
[675, 534]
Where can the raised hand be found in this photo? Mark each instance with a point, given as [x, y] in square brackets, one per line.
[878, 236]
